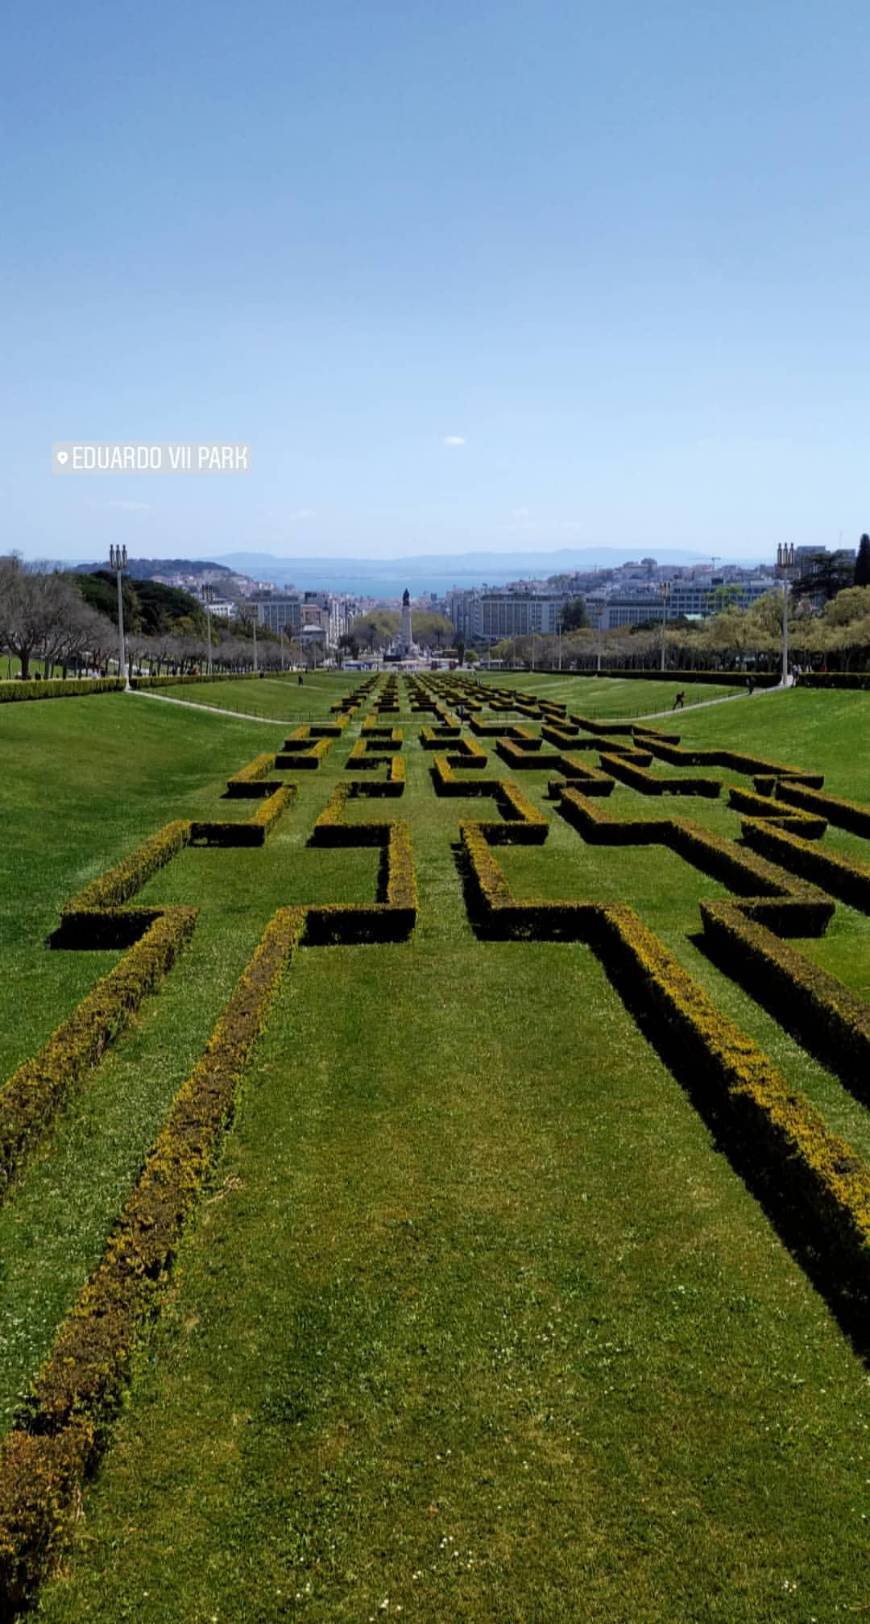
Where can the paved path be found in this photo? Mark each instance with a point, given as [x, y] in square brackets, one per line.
[700, 704]
[215, 710]
[293, 721]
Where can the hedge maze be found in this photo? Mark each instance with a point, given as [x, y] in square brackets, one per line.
[783, 878]
[63, 1424]
[783, 886]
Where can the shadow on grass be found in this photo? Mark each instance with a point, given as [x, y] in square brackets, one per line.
[789, 1011]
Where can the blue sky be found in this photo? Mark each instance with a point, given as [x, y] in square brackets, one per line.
[620, 252]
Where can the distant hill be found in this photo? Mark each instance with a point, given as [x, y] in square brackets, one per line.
[237, 574]
[145, 568]
[188, 573]
[437, 572]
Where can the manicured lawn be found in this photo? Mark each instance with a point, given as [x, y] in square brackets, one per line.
[475, 1321]
[276, 698]
[610, 696]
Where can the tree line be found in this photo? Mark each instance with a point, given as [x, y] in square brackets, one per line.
[67, 623]
[837, 638]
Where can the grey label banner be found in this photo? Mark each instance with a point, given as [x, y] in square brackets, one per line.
[146, 457]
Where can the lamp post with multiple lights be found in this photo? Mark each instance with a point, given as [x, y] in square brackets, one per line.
[118, 562]
[785, 564]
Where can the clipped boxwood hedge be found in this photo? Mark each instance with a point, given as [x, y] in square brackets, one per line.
[826, 1016]
[32, 1095]
[63, 1426]
[834, 873]
[58, 688]
[253, 831]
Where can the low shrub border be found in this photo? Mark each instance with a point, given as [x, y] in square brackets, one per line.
[522, 825]
[592, 780]
[128, 876]
[58, 688]
[252, 781]
[589, 725]
[834, 873]
[722, 679]
[734, 760]
[776, 811]
[851, 815]
[781, 1126]
[446, 782]
[629, 771]
[439, 735]
[333, 829]
[835, 679]
[771, 896]
[465, 753]
[393, 916]
[827, 1017]
[519, 756]
[63, 1427]
[251, 832]
[598, 827]
[34, 1092]
[562, 734]
[392, 786]
[494, 730]
[306, 756]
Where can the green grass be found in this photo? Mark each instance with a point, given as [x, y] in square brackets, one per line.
[274, 698]
[474, 1318]
[611, 696]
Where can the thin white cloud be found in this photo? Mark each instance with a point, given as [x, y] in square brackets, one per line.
[301, 513]
[453, 440]
[130, 507]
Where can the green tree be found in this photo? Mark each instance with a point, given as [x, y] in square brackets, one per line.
[862, 562]
[828, 576]
[574, 616]
[375, 629]
[430, 629]
[348, 647]
[852, 604]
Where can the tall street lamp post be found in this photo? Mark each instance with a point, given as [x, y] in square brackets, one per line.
[785, 563]
[207, 599]
[665, 590]
[118, 562]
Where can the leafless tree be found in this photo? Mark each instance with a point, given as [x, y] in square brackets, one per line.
[35, 610]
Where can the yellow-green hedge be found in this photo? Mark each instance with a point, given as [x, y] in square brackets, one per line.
[33, 1093]
[63, 1425]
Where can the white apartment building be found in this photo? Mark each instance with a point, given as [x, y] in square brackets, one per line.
[279, 611]
[491, 616]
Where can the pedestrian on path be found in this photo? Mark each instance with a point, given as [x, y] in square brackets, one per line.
[680, 700]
